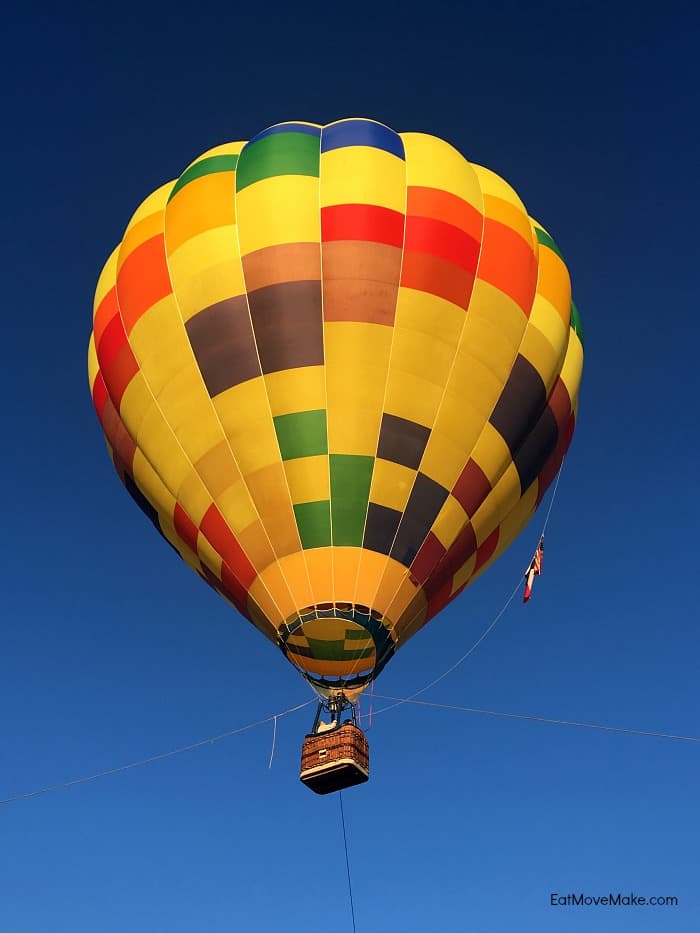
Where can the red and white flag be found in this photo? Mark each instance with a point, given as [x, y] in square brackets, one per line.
[534, 570]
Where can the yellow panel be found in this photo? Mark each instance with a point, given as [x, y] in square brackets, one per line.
[188, 411]
[292, 390]
[277, 609]
[346, 561]
[151, 485]
[545, 316]
[245, 417]
[464, 573]
[93, 365]
[155, 202]
[205, 270]
[450, 521]
[233, 148]
[433, 163]
[293, 568]
[203, 204]
[283, 209]
[491, 453]
[572, 368]
[194, 497]
[107, 278]
[395, 591]
[443, 459]
[237, 507]
[280, 590]
[411, 397]
[492, 184]
[391, 484]
[494, 328]
[136, 401]
[160, 447]
[137, 233]
[378, 580]
[356, 389]
[217, 468]
[435, 318]
[537, 349]
[308, 478]
[256, 544]
[268, 488]
[502, 498]
[408, 600]
[510, 214]
[363, 175]
[554, 283]
[319, 563]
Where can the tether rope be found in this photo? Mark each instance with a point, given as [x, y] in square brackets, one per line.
[147, 761]
[347, 860]
[555, 722]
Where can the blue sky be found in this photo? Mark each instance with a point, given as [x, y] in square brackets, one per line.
[113, 651]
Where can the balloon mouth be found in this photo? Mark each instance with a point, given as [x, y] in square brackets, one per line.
[337, 647]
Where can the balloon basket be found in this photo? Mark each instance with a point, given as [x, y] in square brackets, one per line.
[334, 760]
[334, 755]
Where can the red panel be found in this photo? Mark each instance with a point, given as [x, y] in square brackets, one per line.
[508, 263]
[99, 394]
[222, 539]
[112, 340]
[362, 222]
[437, 238]
[457, 555]
[472, 487]
[443, 205]
[105, 311]
[439, 600]
[426, 559]
[234, 586]
[437, 277]
[122, 370]
[119, 438]
[143, 280]
[185, 527]
[485, 551]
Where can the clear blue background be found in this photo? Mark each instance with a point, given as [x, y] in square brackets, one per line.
[113, 651]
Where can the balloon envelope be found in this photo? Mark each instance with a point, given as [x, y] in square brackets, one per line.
[337, 367]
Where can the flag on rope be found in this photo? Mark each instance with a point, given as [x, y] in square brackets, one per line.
[534, 570]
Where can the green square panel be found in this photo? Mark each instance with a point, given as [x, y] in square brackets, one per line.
[314, 523]
[351, 477]
[302, 434]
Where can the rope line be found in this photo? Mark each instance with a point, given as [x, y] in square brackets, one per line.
[274, 737]
[488, 630]
[347, 860]
[146, 761]
[554, 722]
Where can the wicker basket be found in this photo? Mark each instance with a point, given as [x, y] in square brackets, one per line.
[334, 760]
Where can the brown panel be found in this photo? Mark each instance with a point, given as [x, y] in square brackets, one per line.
[288, 325]
[380, 528]
[472, 487]
[520, 405]
[402, 441]
[223, 344]
[290, 262]
[360, 281]
[424, 503]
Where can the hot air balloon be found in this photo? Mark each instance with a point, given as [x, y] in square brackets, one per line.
[337, 367]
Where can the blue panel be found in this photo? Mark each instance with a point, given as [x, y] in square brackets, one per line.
[287, 128]
[361, 133]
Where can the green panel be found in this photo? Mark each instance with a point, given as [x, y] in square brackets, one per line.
[546, 240]
[351, 477]
[314, 523]
[279, 154]
[576, 323]
[357, 634]
[336, 651]
[220, 163]
[302, 434]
